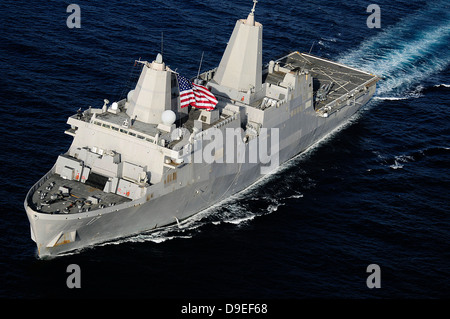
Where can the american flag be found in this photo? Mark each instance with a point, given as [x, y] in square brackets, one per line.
[196, 95]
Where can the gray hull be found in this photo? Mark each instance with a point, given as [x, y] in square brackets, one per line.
[197, 187]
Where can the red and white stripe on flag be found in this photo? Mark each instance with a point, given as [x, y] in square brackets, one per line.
[196, 95]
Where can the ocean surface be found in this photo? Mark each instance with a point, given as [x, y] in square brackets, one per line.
[374, 192]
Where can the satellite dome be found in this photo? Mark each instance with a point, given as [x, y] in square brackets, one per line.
[168, 117]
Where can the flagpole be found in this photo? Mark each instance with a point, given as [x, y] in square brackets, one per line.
[162, 43]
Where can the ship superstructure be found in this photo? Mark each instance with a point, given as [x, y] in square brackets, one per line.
[146, 162]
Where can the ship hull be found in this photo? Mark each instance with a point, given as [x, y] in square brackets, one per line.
[198, 187]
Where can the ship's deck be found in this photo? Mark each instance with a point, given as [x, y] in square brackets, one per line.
[61, 196]
[141, 130]
[343, 79]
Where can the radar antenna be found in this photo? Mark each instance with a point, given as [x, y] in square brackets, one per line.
[201, 60]
[254, 5]
[162, 43]
[251, 16]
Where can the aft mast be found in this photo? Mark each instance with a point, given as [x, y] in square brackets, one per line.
[241, 66]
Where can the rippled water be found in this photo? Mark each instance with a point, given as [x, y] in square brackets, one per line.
[375, 192]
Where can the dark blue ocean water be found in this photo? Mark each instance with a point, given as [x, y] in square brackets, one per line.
[376, 192]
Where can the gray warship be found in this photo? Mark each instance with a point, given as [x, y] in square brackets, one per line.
[152, 160]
